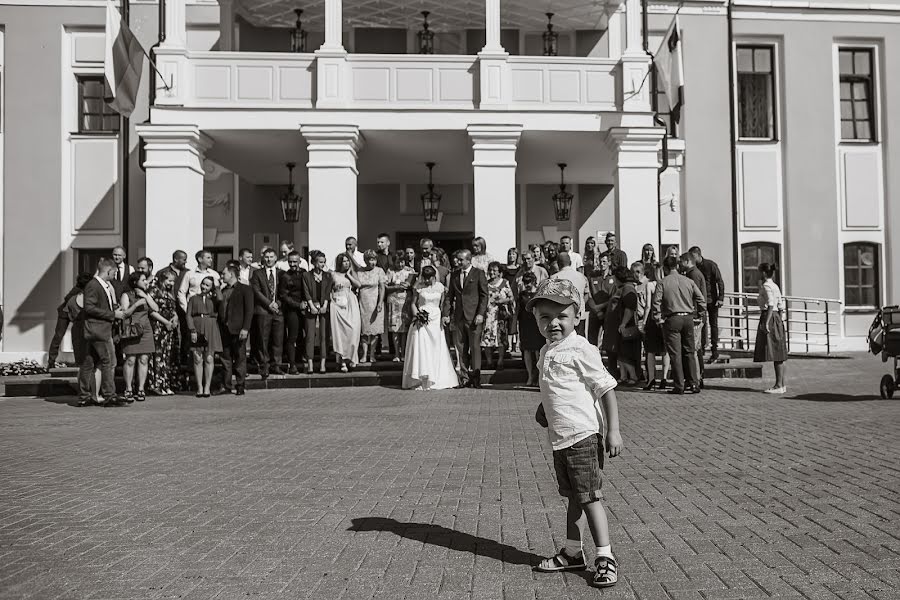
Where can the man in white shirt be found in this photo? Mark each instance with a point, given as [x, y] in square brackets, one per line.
[245, 265]
[190, 285]
[565, 245]
[566, 271]
[286, 248]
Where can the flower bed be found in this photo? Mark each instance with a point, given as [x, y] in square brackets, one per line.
[22, 367]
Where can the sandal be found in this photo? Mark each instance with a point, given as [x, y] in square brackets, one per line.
[140, 396]
[607, 572]
[562, 562]
[128, 396]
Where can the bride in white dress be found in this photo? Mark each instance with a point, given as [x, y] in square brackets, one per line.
[428, 365]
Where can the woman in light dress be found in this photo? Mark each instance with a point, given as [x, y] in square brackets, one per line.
[344, 313]
[428, 364]
[400, 279]
[371, 279]
[771, 340]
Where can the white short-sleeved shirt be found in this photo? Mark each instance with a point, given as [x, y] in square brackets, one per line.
[573, 379]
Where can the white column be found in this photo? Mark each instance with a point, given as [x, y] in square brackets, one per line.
[332, 68]
[636, 152]
[492, 27]
[634, 43]
[614, 33]
[493, 68]
[332, 185]
[174, 176]
[171, 57]
[494, 168]
[334, 26]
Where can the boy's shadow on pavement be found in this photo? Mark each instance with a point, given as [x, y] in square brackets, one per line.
[448, 538]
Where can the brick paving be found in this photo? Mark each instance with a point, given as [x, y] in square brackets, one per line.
[381, 493]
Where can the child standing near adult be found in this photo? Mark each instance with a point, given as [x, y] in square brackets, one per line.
[573, 381]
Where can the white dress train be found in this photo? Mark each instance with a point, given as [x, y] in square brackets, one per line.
[428, 365]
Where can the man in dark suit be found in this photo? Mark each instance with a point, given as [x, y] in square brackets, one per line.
[269, 319]
[235, 317]
[121, 271]
[292, 303]
[100, 312]
[465, 305]
[715, 297]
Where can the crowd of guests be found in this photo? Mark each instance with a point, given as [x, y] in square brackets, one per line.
[298, 311]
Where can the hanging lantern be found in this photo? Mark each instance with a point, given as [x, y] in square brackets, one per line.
[431, 200]
[290, 202]
[551, 38]
[426, 36]
[562, 200]
[298, 35]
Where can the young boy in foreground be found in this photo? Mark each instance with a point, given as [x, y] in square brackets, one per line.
[573, 379]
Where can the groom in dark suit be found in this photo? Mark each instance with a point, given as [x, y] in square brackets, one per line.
[465, 304]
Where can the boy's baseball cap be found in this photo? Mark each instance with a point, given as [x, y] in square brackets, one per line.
[561, 291]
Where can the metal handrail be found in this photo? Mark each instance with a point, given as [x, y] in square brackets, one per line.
[808, 322]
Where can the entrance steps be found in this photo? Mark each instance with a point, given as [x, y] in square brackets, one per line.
[63, 381]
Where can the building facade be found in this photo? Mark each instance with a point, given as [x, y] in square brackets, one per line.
[782, 152]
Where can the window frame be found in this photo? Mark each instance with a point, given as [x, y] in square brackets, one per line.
[80, 79]
[760, 244]
[772, 47]
[870, 80]
[876, 272]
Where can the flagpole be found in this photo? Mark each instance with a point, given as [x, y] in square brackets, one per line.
[125, 141]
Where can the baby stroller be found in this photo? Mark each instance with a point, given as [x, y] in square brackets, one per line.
[884, 339]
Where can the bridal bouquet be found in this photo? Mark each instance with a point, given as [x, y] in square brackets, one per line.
[421, 318]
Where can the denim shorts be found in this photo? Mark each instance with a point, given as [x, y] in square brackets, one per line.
[579, 469]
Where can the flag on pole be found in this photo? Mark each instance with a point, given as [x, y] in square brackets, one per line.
[670, 68]
[122, 65]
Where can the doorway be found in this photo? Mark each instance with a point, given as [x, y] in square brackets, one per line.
[449, 242]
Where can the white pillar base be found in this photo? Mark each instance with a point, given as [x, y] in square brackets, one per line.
[637, 204]
[174, 176]
[332, 186]
[494, 168]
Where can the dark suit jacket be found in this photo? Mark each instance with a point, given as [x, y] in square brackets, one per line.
[98, 314]
[463, 303]
[237, 313]
[290, 291]
[260, 284]
[309, 287]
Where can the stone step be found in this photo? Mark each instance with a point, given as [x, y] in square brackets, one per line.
[62, 382]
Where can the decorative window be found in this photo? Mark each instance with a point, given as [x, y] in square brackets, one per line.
[861, 275]
[857, 94]
[94, 115]
[756, 92]
[753, 255]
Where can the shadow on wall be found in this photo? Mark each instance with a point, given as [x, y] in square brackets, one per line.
[38, 307]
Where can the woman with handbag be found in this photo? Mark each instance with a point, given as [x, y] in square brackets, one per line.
[203, 323]
[771, 341]
[137, 334]
[500, 302]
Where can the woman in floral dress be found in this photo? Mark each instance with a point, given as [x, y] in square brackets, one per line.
[164, 369]
[500, 299]
[371, 279]
[399, 280]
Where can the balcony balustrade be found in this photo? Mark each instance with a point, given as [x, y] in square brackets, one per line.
[254, 80]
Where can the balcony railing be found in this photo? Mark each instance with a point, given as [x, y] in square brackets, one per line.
[388, 81]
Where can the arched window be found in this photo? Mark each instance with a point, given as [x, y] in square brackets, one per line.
[752, 255]
[861, 287]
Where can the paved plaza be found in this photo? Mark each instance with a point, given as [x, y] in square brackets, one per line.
[382, 493]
